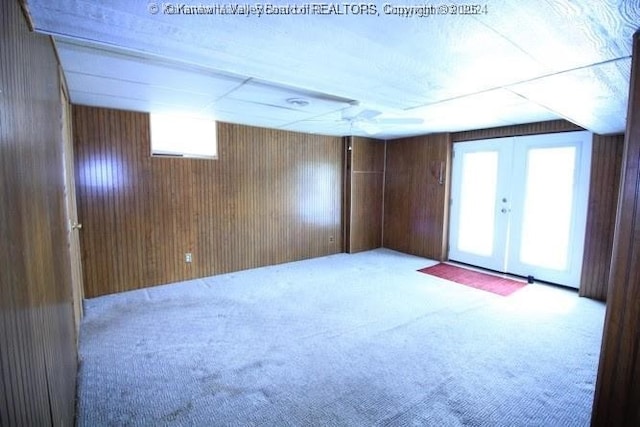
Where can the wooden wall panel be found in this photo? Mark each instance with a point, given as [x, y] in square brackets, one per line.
[73, 227]
[368, 155]
[617, 395]
[551, 126]
[416, 195]
[366, 184]
[270, 197]
[603, 197]
[37, 333]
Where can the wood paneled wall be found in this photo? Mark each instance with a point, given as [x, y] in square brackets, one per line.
[270, 197]
[606, 161]
[551, 126]
[37, 333]
[416, 195]
[617, 395]
[365, 184]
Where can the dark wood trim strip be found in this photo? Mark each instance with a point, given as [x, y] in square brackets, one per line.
[551, 126]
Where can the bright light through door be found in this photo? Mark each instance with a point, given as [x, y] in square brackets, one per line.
[548, 207]
[519, 204]
[478, 202]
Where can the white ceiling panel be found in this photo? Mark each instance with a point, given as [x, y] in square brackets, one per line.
[146, 70]
[336, 128]
[471, 112]
[279, 116]
[594, 97]
[506, 62]
[158, 96]
[562, 35]
[107, 101]
[289, 99]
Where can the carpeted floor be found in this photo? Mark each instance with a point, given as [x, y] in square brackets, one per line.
[344, 340]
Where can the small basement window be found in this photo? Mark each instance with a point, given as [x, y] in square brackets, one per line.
[183, 136]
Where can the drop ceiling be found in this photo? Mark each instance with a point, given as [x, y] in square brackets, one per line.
[378, 74]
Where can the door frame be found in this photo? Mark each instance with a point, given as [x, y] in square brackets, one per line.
[495, 261]
[71, 209]
[582, 140]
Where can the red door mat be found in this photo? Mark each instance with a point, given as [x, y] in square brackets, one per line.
[474, 279]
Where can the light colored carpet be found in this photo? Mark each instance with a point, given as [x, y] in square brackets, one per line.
[344, 340]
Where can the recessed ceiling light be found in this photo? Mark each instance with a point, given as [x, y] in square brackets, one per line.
[298, 102]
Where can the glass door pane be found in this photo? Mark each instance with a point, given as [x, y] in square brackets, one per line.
[477, 202]
[519, 205]
[548, 207]
[478, 229]
[551, 173]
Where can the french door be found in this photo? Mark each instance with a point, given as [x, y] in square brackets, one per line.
[519, 205]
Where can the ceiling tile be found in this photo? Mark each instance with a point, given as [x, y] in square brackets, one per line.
[266, 95]
[107, 101]
[593, 97]
[280, 115]
[141, 69]
[335, 128]
[487, 109]
[158, 97]
[566, 34]
[553, 56]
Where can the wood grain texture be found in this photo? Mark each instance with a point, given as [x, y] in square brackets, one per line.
[270, 197]
[366, 178]
[551, 126]
[617, 395]
[603, 197]
[415, 202]
[37, 334]
[71, 207]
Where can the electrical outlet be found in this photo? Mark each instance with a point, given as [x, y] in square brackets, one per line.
[188, 257]
[331, 239]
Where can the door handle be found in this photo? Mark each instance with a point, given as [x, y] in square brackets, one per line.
[76, 226]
